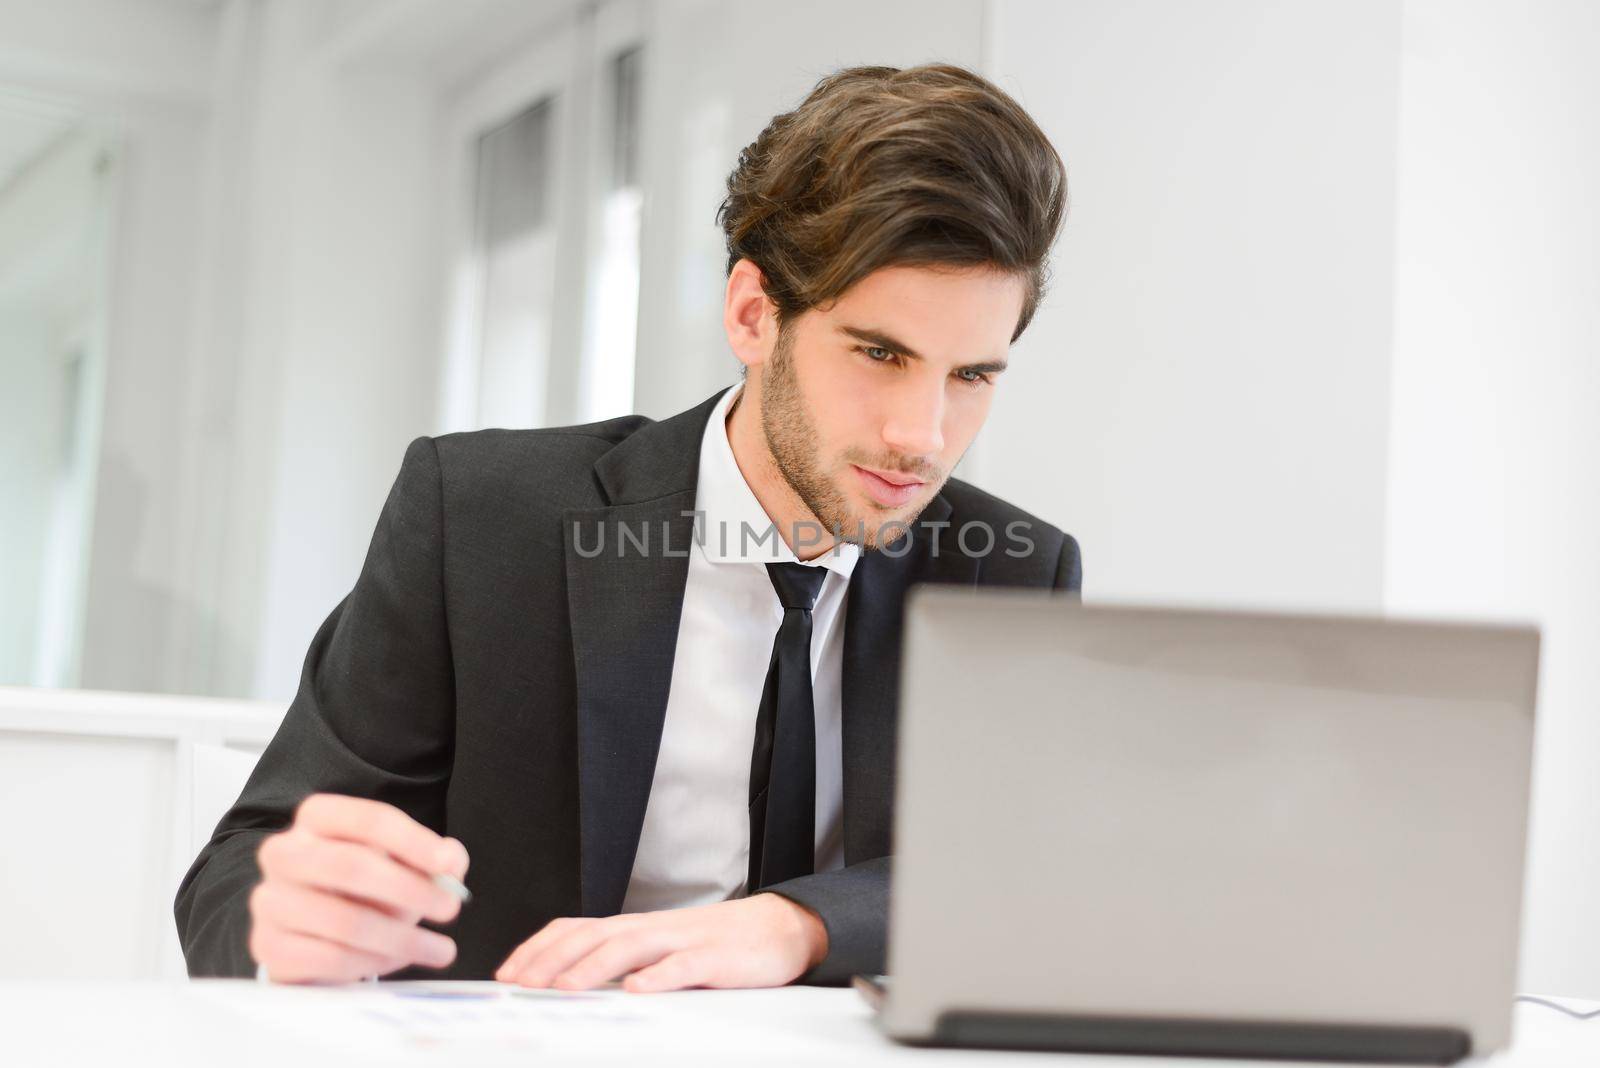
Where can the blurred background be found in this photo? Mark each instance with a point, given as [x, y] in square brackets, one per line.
[1324, 335]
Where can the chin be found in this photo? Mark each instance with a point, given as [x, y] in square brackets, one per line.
[873, 517]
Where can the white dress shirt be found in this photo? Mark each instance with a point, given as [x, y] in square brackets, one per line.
[695, 845]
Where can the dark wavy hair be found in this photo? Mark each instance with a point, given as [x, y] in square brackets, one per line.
[883, 166]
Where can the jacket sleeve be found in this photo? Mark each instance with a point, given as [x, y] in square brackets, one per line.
[854, 905]
[373, 717]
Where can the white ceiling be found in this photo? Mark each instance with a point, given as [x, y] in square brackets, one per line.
[444, 40]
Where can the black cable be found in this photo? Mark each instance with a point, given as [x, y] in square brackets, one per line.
[1576, 1014]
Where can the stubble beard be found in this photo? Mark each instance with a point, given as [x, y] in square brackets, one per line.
[792, 439]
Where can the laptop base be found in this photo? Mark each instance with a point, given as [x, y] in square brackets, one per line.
[1202, 1038]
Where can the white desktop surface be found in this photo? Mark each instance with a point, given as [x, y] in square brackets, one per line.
[241, 1023]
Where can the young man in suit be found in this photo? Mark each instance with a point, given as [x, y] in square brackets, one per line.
[645, 673]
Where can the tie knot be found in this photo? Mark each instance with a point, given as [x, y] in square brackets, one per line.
[797, 584]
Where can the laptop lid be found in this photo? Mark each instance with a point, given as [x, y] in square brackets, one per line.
[1119, 813]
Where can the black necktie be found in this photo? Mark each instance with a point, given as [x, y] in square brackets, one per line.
[783, 765]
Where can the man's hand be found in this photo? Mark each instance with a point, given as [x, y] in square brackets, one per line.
[762, 940]
[342, 890]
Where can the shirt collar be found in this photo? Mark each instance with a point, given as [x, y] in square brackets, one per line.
[732, 525]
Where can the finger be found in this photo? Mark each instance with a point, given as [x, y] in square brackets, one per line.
[374, 823]
[543, 937]
[616, 956]
[348, 923]
[554, 933]
[296, 958]
[405, 916]
[356, 871]
[359, 872]
[675, 971]
[564, 949]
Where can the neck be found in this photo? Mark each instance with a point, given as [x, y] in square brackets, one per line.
[760, 470]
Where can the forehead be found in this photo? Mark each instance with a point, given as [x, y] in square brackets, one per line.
[941, 312]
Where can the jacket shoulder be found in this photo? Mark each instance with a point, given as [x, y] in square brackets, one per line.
[555, 463]
[969, 504]
[580, 438]
[1025, 550]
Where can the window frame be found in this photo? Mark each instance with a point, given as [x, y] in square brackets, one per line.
[569, 62]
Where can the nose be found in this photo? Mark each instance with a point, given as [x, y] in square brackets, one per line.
[915, 425]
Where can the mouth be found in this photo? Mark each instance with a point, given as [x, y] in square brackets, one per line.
[889, 488]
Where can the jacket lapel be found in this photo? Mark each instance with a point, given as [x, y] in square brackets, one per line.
[870, 682]
[624, 603]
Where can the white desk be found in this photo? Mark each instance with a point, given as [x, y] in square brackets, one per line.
[243, 1023]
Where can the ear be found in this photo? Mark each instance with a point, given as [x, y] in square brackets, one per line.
[748, 315]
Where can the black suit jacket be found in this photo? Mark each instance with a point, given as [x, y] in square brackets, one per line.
[504, 687]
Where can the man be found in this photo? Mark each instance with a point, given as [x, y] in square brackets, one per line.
[645, 673]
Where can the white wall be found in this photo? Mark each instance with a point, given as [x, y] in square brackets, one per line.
[273, 314]
[1325, 334]
[133, 603]
[1494, 474]
[355, 286]
[1203, 400]
[101, 906]
[136, 74]
[53, 222]
[327, 225]
[111, 52]
[28, 427]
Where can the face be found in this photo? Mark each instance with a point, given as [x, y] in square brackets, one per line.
[868, 403]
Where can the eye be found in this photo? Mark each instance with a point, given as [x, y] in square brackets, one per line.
[875, 353]
[975, 378]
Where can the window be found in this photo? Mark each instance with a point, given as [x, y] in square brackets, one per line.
[544, 307]
[515, 248]
[613, 305]
[57, 194]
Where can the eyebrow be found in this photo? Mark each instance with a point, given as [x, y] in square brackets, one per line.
[878, 339]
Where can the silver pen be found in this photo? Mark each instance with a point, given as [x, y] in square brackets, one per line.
[452, 886]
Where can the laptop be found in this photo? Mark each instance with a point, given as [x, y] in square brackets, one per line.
[1143, 830]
